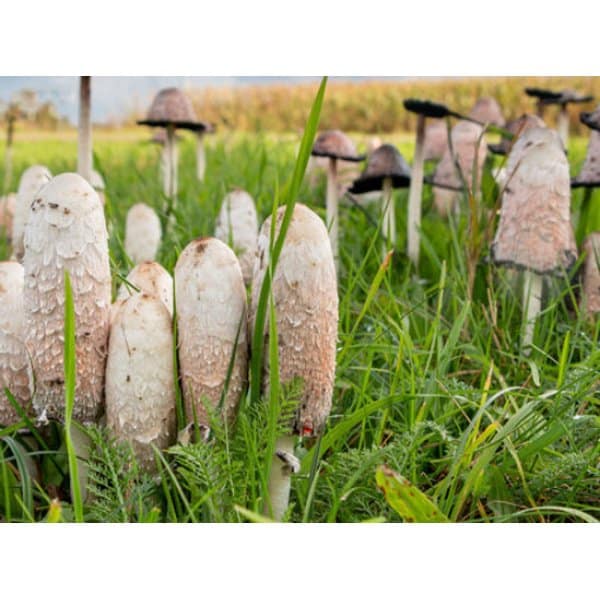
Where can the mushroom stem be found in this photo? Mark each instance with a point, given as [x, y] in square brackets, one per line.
[10, 129]
[332, 208]
[532, 305]
[389, 216]
[283, 465]
[165, 171]
[172, 161]
[562, 125]
[84, 143]
[200, 157]
[415, 193]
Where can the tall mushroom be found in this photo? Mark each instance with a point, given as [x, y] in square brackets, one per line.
[142, 233]
[535, 232]
[304, 292]
[201, 131]
[140, 391]
[237, 226]
[66, 231]
[386, 169]
[15, 367]
[464, 157]
[589, 175]
[335, 146]
[32, 180]
[590, 298]
[84, 142]
[172, 109]
[210, 300]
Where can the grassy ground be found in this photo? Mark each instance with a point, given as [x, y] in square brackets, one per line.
[430, 378]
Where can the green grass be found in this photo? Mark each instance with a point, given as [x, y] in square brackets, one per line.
[430, 378]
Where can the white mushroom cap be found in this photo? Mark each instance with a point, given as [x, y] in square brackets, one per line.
[436, 140]
[487, 110]
[535, 230]
[142, 233]
[304, 291]
[590, 171]
[152, 279]
[237, 226]
[210, 300]
[31, 182]
[7, 212]
[590, 299]
[67, 231]
[15, 367]
[140, 387]
[468, 148]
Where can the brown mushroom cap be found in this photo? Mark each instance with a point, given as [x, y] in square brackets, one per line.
[336, 144]
[535, 230]
[487, 110]
[591, 273]
[436, 140]
[172, 107]
[517, 127]
[589, 176]
[385, 162]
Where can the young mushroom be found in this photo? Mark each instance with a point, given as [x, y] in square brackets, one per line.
[66, 231]
[335, 146]
[149, 278]
[211, 308]
[467, 149]
[487, 110]
[32, 179]
[15, 367]
[590, 297]
[304, 292]
[386, 169]
[436, 140]
[237, 226]
[140, 390]
[142, 233]
[535, 232]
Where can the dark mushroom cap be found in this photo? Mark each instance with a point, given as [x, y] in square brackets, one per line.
[563, 97]
[516, 127]
[591, 119]
[427, 108]
[386, 161]
[487, 110]
[542, 94]
[172, 107]
[335, 144]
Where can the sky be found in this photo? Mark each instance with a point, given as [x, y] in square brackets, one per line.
[115, 97]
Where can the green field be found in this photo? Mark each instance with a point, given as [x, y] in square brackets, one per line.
[430, 377]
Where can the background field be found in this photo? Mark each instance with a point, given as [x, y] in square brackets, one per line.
[430, 378]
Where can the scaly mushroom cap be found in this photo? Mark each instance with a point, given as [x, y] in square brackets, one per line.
[31, 181]
[15, 368]
[336, 144]
[305, 296]
[516, 127]
[172, 107]
[237, 226]
[7, 212]
[436, 140]
[590, 300]
[151, 279]
[140, 387]
[385, 162]
[487, 110]
[142, 233]
[211, 309]
[66, 231]
[589, 176]
[535, 230]
[468, 148]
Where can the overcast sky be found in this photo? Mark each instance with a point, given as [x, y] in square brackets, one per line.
[115, 97]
